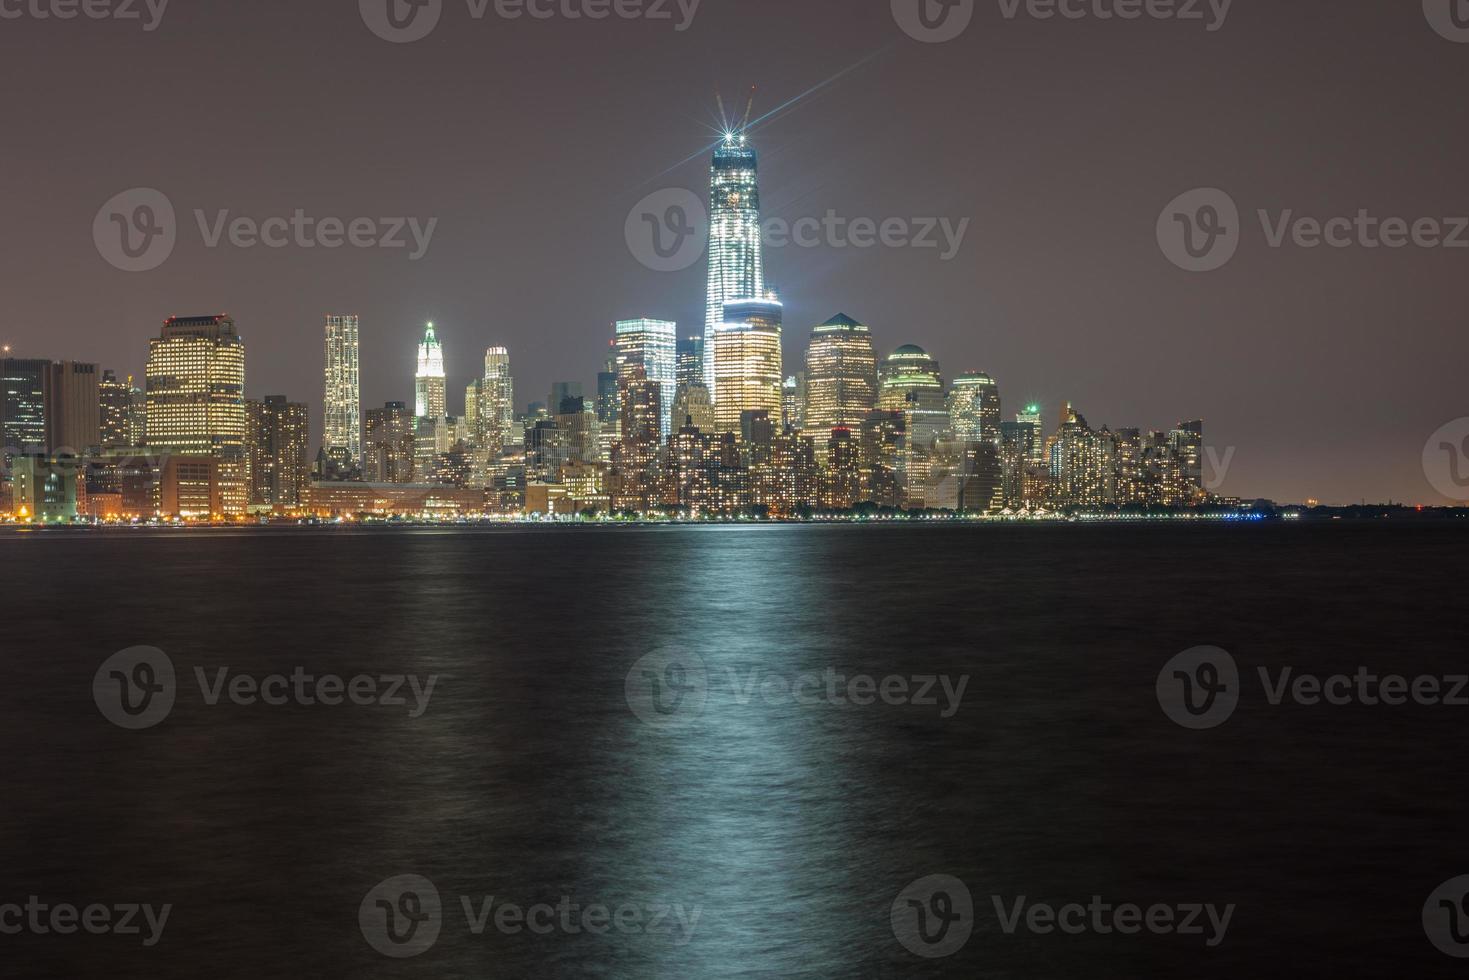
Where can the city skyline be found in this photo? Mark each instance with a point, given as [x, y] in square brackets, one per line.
[1060, 290]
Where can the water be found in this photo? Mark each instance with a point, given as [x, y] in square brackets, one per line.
[788, 826]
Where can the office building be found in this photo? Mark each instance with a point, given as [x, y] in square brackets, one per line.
[196, 386]
[651, 345]
[277, 453]
[747, 351]
[841, 377]
[430, 393]
[974, 409]
[342, 420]
[736, 262]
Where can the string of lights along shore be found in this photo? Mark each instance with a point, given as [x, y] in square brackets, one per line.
[703, 422]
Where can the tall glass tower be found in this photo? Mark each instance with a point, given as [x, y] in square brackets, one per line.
[841, 377]
[653, 346]
[736, 266]
[430, 396]
[343, 422]
[747, 349]
[496, 399]
[196, 386]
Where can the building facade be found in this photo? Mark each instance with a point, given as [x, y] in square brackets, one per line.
[748, 358]
[389, 444]
[342, 419]
[277, 453]
[196, 386]
[841, 378]
[736, 261]
[651, 345]
[974, 408]
[430, 393]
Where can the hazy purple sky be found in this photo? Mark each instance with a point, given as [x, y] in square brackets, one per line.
[1062, 141]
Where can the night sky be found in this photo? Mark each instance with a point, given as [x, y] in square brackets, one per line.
[1062, 141]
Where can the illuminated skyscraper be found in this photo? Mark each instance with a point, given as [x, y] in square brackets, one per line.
[841, 377]
[974, 408]
[277, 453]
[116, 400]
[653, 346]
[736, 265]
[635, 476]
[389, 444]
[910, 382]
[496, 401]
[691, 360]
[747, 354]
[196, 386]
[1032, 417]
[343, 399]
[24, 383]
[430, 398]
[1187, 441]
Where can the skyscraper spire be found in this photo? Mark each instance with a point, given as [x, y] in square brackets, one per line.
[430, 400]
[736, 264]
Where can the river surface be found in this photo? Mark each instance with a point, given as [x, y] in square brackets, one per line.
[727, 751]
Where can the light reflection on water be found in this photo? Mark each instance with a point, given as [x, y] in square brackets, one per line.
[789, 827]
